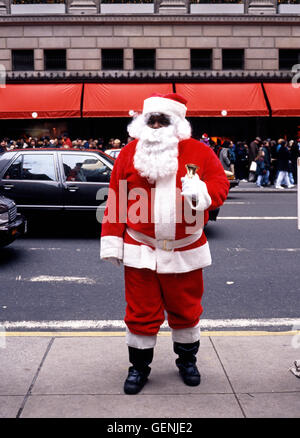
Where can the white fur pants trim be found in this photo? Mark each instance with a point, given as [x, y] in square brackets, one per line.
[140, 341]
[187, 335]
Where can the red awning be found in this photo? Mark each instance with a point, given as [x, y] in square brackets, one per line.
[116, 100]
[217, 100]
[284, 99]
[42, 101]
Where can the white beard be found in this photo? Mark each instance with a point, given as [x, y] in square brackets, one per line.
[157, 149]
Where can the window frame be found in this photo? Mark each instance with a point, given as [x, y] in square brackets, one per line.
[296, 51]
[112, 50]
[13, 53]
[210, 60]
[135, 51]
[232, 50]
[55, 50]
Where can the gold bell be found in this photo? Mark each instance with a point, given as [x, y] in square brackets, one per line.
[191, 170]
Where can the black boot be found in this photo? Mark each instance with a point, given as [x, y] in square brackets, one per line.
[186, 362]
[139, 372]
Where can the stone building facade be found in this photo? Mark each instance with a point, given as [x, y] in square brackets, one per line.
[83, 30]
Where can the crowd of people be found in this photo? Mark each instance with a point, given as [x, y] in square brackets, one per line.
[63, 141]
[265, 162]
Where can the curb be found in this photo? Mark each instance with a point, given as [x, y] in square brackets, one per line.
[254, 190]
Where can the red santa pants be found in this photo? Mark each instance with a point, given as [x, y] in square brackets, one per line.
[148, 294]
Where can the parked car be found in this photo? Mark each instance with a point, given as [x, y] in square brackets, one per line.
[113, 152]
[12, 223]
[58, 180]
[55, 180]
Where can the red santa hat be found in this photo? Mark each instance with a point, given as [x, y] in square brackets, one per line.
[170, 104]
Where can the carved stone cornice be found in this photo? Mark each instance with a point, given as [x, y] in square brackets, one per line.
[129, 19]
[143, 77]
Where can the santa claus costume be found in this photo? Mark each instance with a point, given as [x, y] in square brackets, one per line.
[153, 224]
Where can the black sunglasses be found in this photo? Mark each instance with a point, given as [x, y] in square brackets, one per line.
[161, 119]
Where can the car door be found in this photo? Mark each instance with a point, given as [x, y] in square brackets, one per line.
[32, 181]
[84, 175]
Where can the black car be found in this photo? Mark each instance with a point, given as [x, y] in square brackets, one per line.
[58, 180]
[12, 224]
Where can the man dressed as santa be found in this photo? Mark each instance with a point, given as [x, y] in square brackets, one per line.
[162, 185]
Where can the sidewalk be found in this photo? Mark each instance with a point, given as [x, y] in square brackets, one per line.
[69, 375]
[250, 187]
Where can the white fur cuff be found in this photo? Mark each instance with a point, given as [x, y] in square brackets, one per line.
[187, 335]
[111, 247]
[139, 341]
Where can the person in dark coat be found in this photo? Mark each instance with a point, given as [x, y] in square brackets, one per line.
[241, 162]
[283, 166]
[262, 169]
[253, 149]
[294, 155]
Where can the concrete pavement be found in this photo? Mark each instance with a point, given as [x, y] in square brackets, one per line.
[250, 187]
[81, 375]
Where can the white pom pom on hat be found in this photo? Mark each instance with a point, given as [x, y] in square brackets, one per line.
[170, 104]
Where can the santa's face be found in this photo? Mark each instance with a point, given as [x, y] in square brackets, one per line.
[157, 149]
[157, 120]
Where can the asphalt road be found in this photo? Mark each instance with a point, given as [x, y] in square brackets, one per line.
[54, 274]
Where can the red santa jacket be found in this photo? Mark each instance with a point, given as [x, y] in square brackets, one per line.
[158, 211]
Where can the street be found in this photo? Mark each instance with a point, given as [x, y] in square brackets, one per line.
[53, 277]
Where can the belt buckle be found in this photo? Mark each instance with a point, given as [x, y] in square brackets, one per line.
[165, 245]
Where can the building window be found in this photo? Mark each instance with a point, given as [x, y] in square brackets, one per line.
[55, 59]
[201, 59]
[288, 58]
[112, 59]
[144, 59]
[22, 60]
[233, 59]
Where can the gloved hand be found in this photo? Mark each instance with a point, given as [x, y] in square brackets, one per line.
[113, 260]
[193, 189]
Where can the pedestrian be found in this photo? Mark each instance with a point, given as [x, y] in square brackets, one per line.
[262, 169]
[253, 149]
[151, 206]
[294, 154]
[3, 146]
[283, 166]
[66, 141]
[205, 139]
[232, 156]
[241, 162]
[273, 166]
[116, 144]
[225, 155]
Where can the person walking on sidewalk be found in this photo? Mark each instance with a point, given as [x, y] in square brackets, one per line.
[283, 166]
[262, 169]
[153, 224]
[225, 155]
[241, 164]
